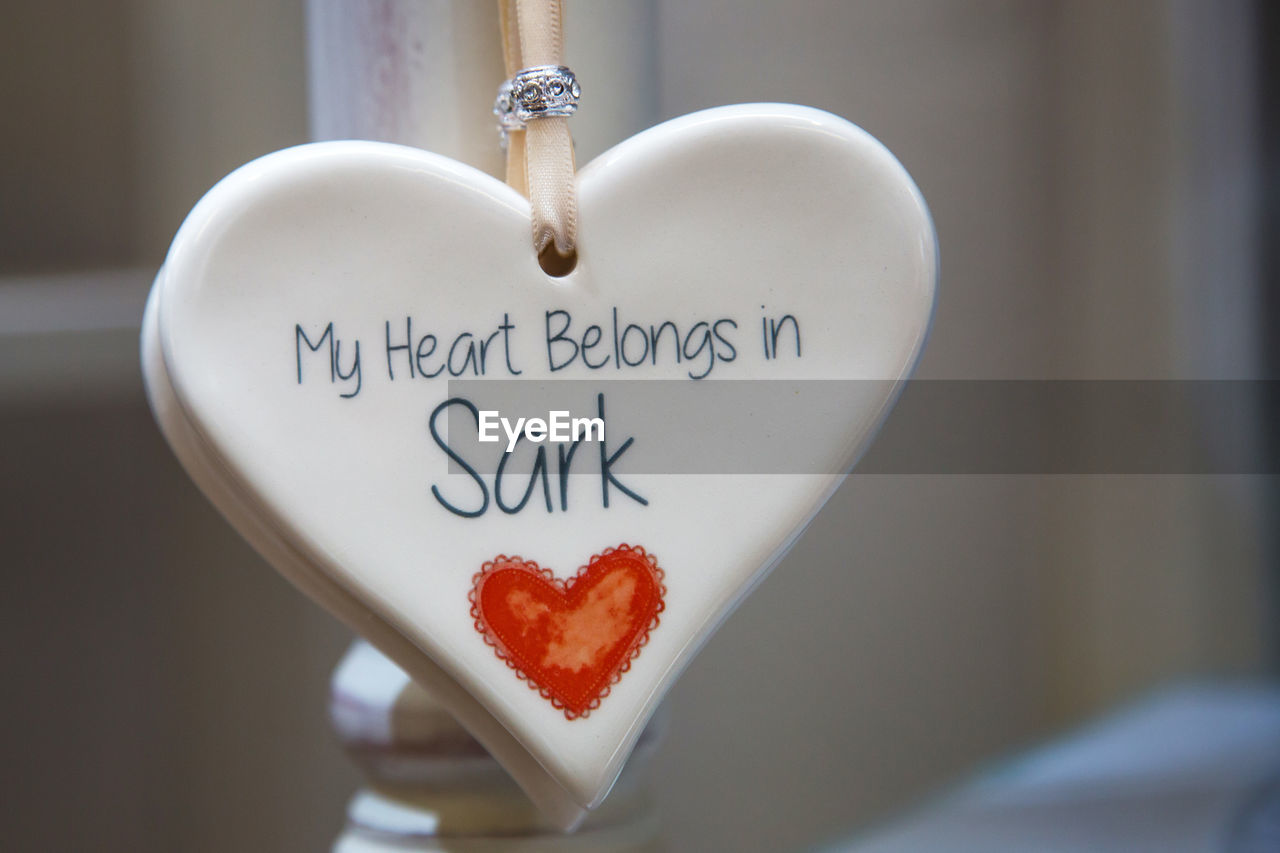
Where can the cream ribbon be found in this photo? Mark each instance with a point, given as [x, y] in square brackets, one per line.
[540, 158]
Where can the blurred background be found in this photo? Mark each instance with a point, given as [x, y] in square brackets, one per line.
[1103, 178]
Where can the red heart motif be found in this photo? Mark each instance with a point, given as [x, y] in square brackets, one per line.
[571, 640]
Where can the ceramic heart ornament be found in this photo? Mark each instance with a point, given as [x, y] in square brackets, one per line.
[320, 342]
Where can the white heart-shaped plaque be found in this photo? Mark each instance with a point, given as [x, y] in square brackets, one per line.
[305, 349]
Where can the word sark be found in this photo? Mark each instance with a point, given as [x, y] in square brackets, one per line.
[483, 495]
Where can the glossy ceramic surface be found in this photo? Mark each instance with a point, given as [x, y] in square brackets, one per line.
[748, 215]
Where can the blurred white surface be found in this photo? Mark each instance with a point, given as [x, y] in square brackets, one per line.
[1190, 771]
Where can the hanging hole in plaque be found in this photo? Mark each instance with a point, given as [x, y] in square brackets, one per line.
[555, 264]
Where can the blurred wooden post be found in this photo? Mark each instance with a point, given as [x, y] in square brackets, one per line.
[425, 73]
[415, 72]
[431, 787]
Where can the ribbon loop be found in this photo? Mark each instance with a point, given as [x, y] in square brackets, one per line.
[533, 111]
